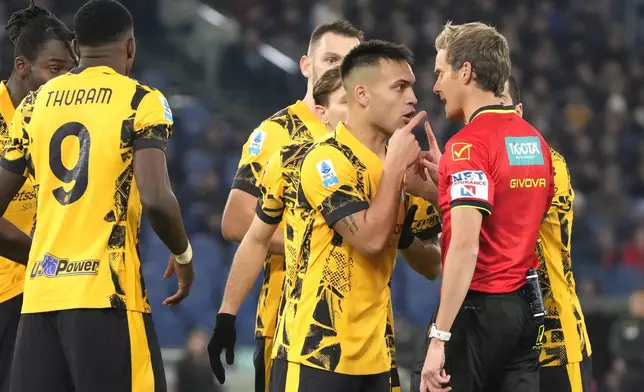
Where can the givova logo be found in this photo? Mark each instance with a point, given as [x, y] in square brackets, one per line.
[524, 151]
[53, 267]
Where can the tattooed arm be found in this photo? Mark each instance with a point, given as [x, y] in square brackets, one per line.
[370, 230]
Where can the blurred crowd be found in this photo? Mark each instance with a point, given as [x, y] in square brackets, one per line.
[582, 80]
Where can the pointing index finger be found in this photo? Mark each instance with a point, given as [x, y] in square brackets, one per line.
[413, 123]
[430, 135]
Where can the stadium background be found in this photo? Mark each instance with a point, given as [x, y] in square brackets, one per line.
[227, 64]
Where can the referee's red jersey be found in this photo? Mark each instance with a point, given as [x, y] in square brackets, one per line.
[500, 165]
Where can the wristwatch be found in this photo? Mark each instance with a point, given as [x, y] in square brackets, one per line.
[440, 335]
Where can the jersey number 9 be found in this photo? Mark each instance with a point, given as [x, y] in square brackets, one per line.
[77, 174]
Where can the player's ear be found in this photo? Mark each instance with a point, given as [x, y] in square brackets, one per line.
[465, 72]
[519, 109]
[361, 94]
[21, 66]
[75, 47]
[320, 112]
[305, 66]
[131, 48]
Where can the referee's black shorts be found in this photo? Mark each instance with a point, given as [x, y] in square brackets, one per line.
[494, 346]
[87, 350]
[9, 318]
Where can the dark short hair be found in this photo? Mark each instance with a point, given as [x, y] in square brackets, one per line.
[101, 22]
[515, 92]
[326, 85]
[370, 53]
[342, 28]
[31, 28]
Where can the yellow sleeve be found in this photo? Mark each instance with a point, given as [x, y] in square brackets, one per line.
[152, 122]
[270, 205]
[15, 156]
[563, 187]
[331, 184]
[268, 138]
[427, 222]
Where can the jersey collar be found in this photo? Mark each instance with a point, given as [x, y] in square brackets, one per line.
[6, 105]
[346, 137]
[492, 109]
[313, 123]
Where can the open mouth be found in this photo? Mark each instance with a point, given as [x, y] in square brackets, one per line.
[407, 117]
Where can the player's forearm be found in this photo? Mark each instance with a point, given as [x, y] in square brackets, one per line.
[247, 264]
[14, 244]
[381, 216]
[458, 271]
[276, 246]
[424, 257]
[165, 219]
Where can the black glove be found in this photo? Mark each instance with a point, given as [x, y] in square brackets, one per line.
[406, 235]
[223, 337]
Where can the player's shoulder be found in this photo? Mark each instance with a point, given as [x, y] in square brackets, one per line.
[325, 149]
[276, 122]
[557, 158]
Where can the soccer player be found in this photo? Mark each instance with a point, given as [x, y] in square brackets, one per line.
[495, 186]
[566, 353]
[93, 143]
[42, 51]
[347, 227]
[422, 219]
[330, 99]
[296, 123]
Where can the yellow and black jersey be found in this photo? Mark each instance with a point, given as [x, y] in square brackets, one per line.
[294, 124]
[75, 137]
[336, 301]
[565, 336]
[21, 211]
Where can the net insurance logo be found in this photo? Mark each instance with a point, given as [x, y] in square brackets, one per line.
[524, 151]
[53, 267]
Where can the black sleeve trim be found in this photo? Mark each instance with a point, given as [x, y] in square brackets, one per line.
[142, 144]
[483, 207]
[334, 216]
[429, 232]
[406, 238]
[247, 187]
[269, 220]
[17, 167]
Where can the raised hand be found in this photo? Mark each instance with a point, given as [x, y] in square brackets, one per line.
[404, 149]
[434, 151]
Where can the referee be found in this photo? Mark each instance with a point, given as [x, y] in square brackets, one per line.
[495, 185]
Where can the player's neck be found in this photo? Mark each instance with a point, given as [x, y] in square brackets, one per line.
[308, 98]
[370, 136]
[102, 62]
[478, 99]
[101, 57]
[17, 91]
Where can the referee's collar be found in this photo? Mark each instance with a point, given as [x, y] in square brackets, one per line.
[492, 109]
